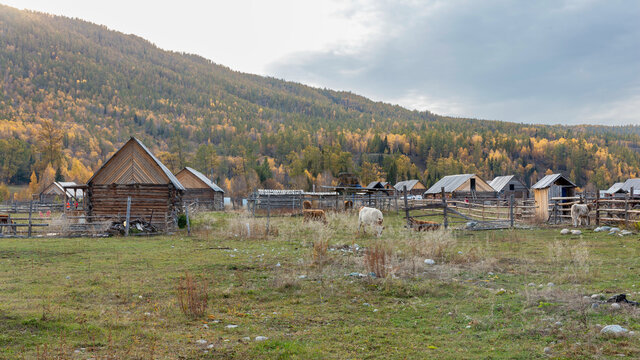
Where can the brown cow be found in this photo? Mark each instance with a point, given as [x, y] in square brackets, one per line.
[314, 215]
[348, 205]
[306, 204]
[423, 225]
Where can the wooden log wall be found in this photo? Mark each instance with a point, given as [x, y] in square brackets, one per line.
[205, 198]
[110, 201]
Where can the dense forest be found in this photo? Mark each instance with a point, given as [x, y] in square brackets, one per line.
[72, 92]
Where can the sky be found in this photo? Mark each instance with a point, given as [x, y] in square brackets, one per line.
[555, 61]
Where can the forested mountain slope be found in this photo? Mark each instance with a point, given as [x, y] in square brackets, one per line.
[99, 87]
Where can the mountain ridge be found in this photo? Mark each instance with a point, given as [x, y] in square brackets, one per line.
[102, 86]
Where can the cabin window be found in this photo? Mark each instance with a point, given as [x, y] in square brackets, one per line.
[512, 187]
[472, 184]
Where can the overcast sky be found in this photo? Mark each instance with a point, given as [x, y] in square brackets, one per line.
[525, 61]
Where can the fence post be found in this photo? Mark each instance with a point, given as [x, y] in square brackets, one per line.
[444, 208]
[186, 212]
[268, 212]
[406, 206]
[555, 211]
[126, 228]
[255, 202]
[511, 210]
[396, 197]
[626, 207]
[30, 210]
[597, 208]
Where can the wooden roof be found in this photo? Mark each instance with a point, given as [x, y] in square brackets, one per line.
[194, 179]
[59, 188]
[134, 164]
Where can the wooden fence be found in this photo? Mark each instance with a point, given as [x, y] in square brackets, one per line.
[292, 203]
[487, 213]
[620, 209]
[31, 221]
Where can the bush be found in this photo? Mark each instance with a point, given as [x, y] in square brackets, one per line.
[182, 221]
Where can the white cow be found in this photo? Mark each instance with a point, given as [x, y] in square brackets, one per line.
[372, 217]
[580, 212]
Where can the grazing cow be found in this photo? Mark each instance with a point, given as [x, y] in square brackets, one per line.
[423, 225]
[580, 212]
[372, 217]
[314, 215]
[348, 205]
[306, 204]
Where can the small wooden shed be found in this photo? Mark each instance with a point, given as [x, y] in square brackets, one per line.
[550, 186]
[133, 171]
[462, 185]
[57, 191]
[414, 187]
[199, 190]
[507, 185]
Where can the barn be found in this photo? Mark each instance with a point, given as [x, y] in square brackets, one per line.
[414, 187]
[507, 185]
[550, 186]
[134, 172]
[199, 190]
[462, 185]
[58, 191]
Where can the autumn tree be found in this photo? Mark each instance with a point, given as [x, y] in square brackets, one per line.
[49, 144]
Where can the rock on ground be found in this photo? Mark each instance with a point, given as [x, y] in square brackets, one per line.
[429, 261]
[565, 231]
[613, 329]
[576, 232]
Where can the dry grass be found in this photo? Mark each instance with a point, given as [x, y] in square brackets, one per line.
[572, 258]
[192, 296]
[248, 227]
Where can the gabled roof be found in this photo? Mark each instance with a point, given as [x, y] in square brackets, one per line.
[380, 184]
[409, 183]
[164, 169]
[204, 179]
[61, 185]
[617, 187]
[631, 183]
[549, 180]
[499, 182]
[450, 183]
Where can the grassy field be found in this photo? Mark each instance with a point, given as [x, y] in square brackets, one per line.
[116, 298]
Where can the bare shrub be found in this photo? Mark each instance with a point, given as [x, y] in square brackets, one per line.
[376, 259]
[192, 297]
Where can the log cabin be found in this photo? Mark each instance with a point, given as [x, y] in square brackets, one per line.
[200, 191]
[462, 186]
[133, 171]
